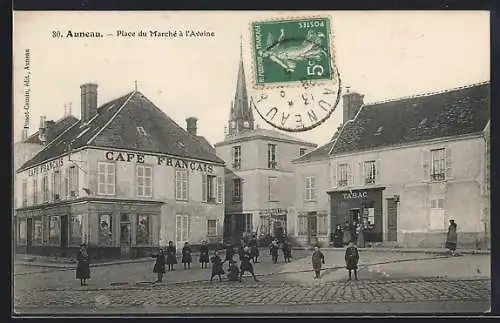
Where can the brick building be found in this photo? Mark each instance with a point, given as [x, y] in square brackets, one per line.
[403, 168]
[124, 179]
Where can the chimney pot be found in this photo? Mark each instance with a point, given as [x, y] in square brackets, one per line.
[351, 103]
[89, 101]
[191, 125]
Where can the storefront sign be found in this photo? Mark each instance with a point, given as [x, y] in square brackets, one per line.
[161, 160]
[45, 167]
[354, 195]
[273, 212]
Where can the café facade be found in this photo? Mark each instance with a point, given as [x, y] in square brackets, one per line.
[122, 188]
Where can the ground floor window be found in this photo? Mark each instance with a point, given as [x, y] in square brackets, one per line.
[105, 229]
[125, 230]
[322, 224]
[142, 236]
[37, 231]
[54, 230]
[302, 225]
[75, 229]
[22, 231]
[212, 228]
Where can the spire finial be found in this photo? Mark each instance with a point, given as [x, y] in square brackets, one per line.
[135, 83]
[241, 46]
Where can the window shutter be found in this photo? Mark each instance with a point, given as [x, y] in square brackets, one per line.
[220, 189]
[349, 174]
[313, 188]
[204, 188]
[306, 179]
[360, 175]
[425, 164]
[378, 172]
[448, 163]
[334, 175]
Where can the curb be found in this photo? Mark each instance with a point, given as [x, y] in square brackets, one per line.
[73, 265]
[403, 250]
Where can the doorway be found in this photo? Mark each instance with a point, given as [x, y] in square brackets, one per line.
[392, 220]
[29, 235]
[312, 227]
[354, 215]
[125, 235]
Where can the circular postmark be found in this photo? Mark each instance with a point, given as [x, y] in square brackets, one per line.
[296, 85]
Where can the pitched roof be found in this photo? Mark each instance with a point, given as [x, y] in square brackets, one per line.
[455, 112]
[320, 153]
[115, 126]
[59, 126]
[206, 144]
[263, 133]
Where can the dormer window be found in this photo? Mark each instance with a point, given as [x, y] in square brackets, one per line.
[379, 131]
[141, 131]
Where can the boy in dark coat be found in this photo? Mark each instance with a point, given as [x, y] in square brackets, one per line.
[204, 255]
[273, 250]
[246, 264]
[171, 256]
[217, 269]
[83, 266]
[318, 259]
[233, 272]
[254, 250]
[186, 255]
[351, 259]
[159, 267]
[287, 251]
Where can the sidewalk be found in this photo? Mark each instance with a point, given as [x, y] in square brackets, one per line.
[408, 250]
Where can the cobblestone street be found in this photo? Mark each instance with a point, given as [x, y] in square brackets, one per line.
[385, 278]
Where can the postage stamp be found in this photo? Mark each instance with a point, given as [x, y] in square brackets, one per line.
[292, 50]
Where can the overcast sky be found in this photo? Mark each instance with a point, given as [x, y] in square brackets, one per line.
[383, 55]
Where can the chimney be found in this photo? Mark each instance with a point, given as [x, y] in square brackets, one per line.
[49, 127]
[89, 101]
[24, 134]
[351, 103]
[191, 125]
[42, 130]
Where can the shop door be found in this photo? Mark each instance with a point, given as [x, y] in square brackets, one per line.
[182, 231]
[29, 235]
[125, 235]
[64, 232]
[392, 220]
[312, 228]
[354, 215]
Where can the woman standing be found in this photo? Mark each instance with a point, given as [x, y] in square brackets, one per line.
[204, 255]
[287, 250]
[318, 259]
[337, 237]
[83, 266]
[159, 267]
[451, 238]
[171, 256]
[186, 255]
[217, 269]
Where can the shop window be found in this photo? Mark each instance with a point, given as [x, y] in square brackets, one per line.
[322, 225]
[105, 230]
[236, 189]
[370, 172]
[271, 156]
[106, 178]
[142, 235]
[54, 230]
[181, 185]
[37, 231]
[125, 230]
[75, 229]
[310, 188]
[24, 193]
[438, 164]
[437, 215]
[35, 191]
[273, 188]
[343, 178]
[22, 231]
[302, 225]
[237, 157]
[212, 228]
[72, 181]
[144, 181]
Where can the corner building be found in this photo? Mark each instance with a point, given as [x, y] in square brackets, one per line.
[404, 168]
[124, 179]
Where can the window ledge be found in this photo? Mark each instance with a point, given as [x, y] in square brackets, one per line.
[310, 200]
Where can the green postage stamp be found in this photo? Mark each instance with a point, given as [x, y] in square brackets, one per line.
[292, 50]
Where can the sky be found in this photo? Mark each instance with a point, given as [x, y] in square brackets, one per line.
[383, 55]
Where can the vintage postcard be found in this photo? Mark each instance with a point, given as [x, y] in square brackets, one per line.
[251, 162]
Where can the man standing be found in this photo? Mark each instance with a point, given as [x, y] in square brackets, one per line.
[451, 238]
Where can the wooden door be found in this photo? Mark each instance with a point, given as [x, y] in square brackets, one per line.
[312, 228]
[392, 220]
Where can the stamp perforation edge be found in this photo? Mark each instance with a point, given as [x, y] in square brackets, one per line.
[298, 84]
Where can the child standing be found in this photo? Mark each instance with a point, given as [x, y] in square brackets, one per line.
[186, 255]
[204, 255]
[83, 267]
[273, 249]
[233, 272]
[246, 265]
[318, 259]
[351, 259]
[159, 267]
[217, 269]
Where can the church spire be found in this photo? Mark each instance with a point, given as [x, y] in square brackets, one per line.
[241, 116]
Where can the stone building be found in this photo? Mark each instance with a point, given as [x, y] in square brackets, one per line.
[259, 173]
[402, 168]
[124, 179]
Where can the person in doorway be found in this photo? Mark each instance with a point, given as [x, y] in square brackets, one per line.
[318, 259]
[159, 267]
[346, 233]
[337, 237]
[83, 265]
[287, 250]
[351, 260]
[217, 269]
[361, 236]
[171, 256]
[451, 238]
[273, 250]
[233, 273]
[355, 230]
[246, 264]
[229, 251]
[204, 259]
[254, 249]
[186, 255]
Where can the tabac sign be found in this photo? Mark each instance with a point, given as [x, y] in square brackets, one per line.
[161, 160]
[355, 195]
[44, 168]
